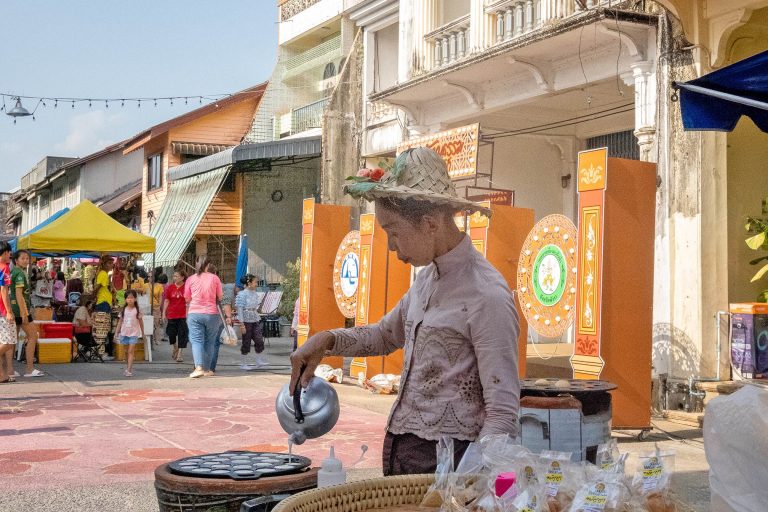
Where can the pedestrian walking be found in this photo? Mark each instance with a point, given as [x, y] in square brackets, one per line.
[21, 304]
[175, 315]
[247, 306]
[228, 293]
[202, 291]
[130, 328]
[7, 321]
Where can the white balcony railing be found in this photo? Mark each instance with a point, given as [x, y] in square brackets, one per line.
[515, 18]
[449, 43]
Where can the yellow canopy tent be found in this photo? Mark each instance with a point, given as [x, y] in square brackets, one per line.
[85, 229]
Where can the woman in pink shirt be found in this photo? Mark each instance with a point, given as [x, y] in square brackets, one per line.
[203, 292]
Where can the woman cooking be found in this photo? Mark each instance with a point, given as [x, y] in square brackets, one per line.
[458, 322]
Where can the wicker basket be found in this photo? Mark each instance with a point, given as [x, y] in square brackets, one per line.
[402, 493]
[390, 494]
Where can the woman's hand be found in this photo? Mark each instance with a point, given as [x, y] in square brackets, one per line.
[308, 356]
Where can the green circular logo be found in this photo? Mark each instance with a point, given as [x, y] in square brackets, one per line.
[549, 275]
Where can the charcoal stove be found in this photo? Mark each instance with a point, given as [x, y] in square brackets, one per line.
[222, 482]
[576, 418]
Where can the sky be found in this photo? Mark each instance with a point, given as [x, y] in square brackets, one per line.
[115, 49]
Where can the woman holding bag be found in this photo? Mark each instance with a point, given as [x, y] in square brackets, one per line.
[202, 292]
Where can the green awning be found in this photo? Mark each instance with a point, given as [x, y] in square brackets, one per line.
[183, 209]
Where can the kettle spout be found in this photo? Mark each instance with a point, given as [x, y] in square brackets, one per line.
[297, 437]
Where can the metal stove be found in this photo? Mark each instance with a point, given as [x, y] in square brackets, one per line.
[240, 465]
[576, 418]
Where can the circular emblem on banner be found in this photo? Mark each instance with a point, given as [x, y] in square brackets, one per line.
[346, 274]
[546, 275]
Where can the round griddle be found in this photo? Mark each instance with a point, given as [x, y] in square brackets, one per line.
[576, 386]
[239, 465]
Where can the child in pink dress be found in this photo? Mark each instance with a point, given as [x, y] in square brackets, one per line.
[130, 328]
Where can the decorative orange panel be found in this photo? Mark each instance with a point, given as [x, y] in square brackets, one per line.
[592, 171]
[381, 286]
[505, 234]
[321, 235]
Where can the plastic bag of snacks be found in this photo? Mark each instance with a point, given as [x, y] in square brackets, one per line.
[561, 479]
[468, 487]
[531, 499]
[607, 455]
[652, 480]
[606, 493]
[436, 493]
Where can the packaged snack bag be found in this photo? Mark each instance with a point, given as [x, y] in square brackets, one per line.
[607, 454]
[437, 491]
[531, 499]
[606, 493]
[652, 480]
[561, 479]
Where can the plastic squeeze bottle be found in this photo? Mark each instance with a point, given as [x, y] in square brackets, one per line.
[331, 472]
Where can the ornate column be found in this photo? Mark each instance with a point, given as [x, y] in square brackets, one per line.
[481, 27]
[529, 15]
[508, 22]
[519, 18]
[643, 78]
[406, 38]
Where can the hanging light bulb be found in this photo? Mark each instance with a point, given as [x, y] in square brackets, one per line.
[73, 105]
[122, 102]
[138, 105]
[89, 103]
[18, 110]
[106, 104]
[171, 101]
[56, 104]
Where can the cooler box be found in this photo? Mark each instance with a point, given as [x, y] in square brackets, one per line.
[749, 339]
[54, 350]
[56, 330]
[121, 352]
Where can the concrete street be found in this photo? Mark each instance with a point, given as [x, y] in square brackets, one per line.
[86, 438]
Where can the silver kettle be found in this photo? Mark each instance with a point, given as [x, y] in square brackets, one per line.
[307, 413]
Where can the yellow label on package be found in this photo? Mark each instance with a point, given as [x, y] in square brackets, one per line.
[554, 478]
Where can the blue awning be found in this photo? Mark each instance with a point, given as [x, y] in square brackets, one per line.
[41, 225]
[717, 100]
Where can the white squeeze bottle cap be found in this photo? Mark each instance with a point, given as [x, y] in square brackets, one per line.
[331, 472]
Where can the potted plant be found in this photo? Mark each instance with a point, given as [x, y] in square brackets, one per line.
[758, 241]
[290, 285]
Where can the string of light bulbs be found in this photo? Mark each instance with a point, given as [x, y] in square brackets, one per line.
[56, 102]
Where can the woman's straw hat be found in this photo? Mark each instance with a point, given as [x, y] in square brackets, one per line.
[418, 173]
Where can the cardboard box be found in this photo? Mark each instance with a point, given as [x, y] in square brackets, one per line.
[749, 339]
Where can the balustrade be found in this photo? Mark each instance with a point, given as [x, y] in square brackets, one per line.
[449, 42]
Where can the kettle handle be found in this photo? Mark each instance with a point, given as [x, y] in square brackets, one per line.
[297, 413]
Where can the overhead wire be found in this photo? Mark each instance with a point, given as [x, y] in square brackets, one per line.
[592, 116]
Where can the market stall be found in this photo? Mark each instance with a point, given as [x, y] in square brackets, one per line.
[85, 230]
